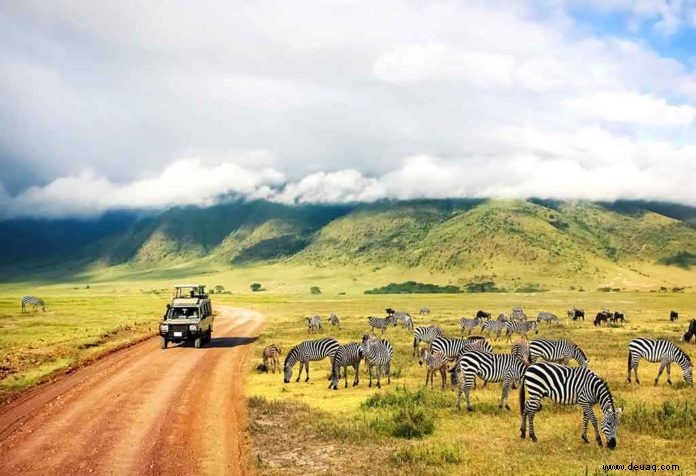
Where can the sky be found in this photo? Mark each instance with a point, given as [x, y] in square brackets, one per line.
[149, 105]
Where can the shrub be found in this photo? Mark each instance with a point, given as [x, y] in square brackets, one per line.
[255, 287]
[412, 422]
[413, 287]
[315, 290]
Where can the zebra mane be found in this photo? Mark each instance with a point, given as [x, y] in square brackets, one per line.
[292, 353]
[606, 385]
[582, 352]
[683, 354]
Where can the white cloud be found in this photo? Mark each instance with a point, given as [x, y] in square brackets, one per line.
[621, 106]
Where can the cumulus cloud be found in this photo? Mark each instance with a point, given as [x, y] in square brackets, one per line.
[100, 106]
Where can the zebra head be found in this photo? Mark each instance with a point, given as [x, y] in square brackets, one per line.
[423, 355]
[688, 373]
[610, 422]
[289, 364]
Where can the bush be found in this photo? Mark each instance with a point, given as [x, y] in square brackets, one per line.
[482, 287]
[255, 287]
[604, 289]
[412, 422]
[682, 259]
[315, 290]
[413, 287]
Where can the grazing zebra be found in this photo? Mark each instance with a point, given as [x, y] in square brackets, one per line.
[32, 301]
[557, 350]
[569, 386]
[548, 318]
[270, 355]
[470, 324]
[333, 319]
[424, 334]
[503, 317]
[658, 350]
[520, 327]
[378, 353]
[490, 367]
[309, 350]
[380, 322]
[452, 346]
[424, 311]
[313, 324]
[673, 316]
[518, 314]
[404, 318]
[348, 355]
[690, 332]
[574, 313]
[494, 326]
[434, 361]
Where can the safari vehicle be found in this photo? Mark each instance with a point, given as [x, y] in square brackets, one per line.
[189, 317]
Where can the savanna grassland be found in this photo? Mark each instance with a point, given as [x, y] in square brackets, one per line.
[305, 427]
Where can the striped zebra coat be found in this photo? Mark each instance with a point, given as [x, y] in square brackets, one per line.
[658, 350]
[424, 334]
[490, 367]
[32, 301]
[518, 314]
[314, 324]
[270, 355]
[378, 353]
[380, 323]
[493, 326]
[469, 324]
[404, 318]
[568, 386]
[548, 317]
[557, 350]
[453, 346]
[333, 319]
[520, 327]
[309, 350]
[348, 355]
[434, 362]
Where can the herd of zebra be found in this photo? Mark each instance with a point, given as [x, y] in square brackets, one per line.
[540, 366]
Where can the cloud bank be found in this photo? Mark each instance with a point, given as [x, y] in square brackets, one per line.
[139, 104]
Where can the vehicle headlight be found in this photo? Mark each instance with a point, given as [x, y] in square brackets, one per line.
[193, 327]
[164, 327]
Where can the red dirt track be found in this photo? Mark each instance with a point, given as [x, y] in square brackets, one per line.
[142, 410]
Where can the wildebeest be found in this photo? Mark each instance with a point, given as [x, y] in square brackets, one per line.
[483, 314]
[603, 316]
[673, 315]
[691, 331]
[575, 314]
[616, 317]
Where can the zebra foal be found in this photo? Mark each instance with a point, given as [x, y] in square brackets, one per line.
[270, 355]
[348, 355]
[434, 362]
[378, 353]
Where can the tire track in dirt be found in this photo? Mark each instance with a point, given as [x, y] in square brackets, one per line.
[140, 411]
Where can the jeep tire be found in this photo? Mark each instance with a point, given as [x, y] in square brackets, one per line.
[163, 342]
[197, 342]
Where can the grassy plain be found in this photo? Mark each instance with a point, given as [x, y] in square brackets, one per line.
[307, 427]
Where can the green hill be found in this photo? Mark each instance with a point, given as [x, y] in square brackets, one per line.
[517, 244]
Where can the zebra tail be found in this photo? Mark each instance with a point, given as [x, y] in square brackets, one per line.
[629, 363]
[522, 397]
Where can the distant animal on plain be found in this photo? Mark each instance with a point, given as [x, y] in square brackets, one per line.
[602, 317]
[314, 324]
[548, 317]
[333, 319]
[32, 301]
[270, 357]
[483, 314]
[690, 332]
[575, 314]
[424, 311]
[658, 350]
[673, 316]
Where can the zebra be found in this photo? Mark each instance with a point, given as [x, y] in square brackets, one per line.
[32, 301]
[424, 311]
[548, 318]
[470, 324]
[521, 350]
[520, 327]
[333, 319]
[306, 351]
[452, 346]
[380, 322]
[348, 355]
[378, 353]
[425, 334]
[270, 355]
[403, 317]
[518, 314]
[557, 350]
[490, 367]
[569, 386]
[434, 361]
[313, 324]
[494, 326]
[658, 350]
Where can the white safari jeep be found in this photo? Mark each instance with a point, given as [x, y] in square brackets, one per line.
[189, 317]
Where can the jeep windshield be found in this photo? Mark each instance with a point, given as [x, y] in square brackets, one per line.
[183, 313]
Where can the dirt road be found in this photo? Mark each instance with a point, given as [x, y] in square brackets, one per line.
[140, 411]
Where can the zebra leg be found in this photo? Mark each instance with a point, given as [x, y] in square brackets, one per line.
[443, 375]
[588, 414]
[460, 390]
[669, 373]
[659, 372]
[427, 376]
[379, 376]
[369, 370]
[468, 383]
[345, 375]
[300, 372]
[307, 372]
[389, 373]
[531, 408]
[506, 391]
[356, 380]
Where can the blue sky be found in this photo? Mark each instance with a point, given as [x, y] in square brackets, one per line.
[117, 104]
